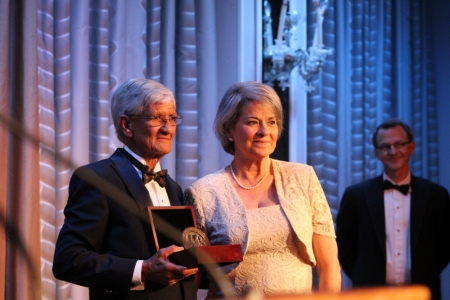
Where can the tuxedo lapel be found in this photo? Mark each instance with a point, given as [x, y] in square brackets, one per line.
[375, 205]
[134, 183]
[172, 192]
[419, 196]
[131, 179]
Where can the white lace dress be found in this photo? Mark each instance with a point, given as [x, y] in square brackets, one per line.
[273, 264]
[276, 241]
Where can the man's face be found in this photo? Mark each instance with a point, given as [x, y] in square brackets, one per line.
[152, 142]
[394, 150]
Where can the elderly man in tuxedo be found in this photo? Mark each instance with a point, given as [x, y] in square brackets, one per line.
[394, 229]
[106, 241]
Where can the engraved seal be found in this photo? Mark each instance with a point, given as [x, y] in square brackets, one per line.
[194, 237]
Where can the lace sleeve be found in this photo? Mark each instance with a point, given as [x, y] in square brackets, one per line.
[192, 199]
[322, 219]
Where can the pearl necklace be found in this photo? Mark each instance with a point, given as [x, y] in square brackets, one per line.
[249, 188]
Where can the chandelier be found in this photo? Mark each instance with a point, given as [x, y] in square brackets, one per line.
[282, 54]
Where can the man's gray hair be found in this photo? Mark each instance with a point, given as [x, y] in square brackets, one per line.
[134, 96]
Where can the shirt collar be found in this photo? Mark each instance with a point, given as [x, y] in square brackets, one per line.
[157, 167]
[407, 179]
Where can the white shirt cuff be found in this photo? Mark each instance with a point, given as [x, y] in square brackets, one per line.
[136, 279]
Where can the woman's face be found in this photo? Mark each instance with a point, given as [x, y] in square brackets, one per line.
[256, 132]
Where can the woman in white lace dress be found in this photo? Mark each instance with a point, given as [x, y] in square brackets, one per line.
[275, 210]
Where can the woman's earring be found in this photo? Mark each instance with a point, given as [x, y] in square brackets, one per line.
[230, 139]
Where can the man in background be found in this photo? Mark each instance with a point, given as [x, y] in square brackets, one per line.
[106, 242]
[394, 229]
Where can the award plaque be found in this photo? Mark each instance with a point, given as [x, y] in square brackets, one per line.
[176, 225]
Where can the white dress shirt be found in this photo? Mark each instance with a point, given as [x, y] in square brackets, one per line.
[159, 197]
[397, 217]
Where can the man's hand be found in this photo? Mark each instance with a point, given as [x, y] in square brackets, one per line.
[159, 269]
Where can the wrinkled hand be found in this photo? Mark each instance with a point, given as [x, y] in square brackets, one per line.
[159, 269]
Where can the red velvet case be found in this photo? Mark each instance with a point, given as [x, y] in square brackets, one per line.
[168, 223]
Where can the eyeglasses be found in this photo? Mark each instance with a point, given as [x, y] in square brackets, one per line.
[396, 145]
[159, 121]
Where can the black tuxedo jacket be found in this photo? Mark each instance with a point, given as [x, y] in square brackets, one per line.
[361, 234]
[107, 229]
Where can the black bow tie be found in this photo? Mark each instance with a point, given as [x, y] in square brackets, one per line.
[147, 173]
[159, 177]
[404, 189]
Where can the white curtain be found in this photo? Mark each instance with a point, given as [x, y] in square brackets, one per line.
[374, 73]
[61, 61]
[382, 67]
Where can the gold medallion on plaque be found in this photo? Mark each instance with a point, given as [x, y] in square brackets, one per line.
[194, 237]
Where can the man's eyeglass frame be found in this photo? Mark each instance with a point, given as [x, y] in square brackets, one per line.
[156, 121]
[396, 146]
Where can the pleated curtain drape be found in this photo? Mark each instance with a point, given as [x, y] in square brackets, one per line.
[382, 67]
[60, 63]
[20, 243]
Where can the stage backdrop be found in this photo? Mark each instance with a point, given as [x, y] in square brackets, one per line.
[60, 62]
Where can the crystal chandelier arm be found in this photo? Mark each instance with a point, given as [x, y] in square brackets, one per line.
[282, 20]
[280, 58]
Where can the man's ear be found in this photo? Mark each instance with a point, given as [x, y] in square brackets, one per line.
[125, 126]
[413, 147]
